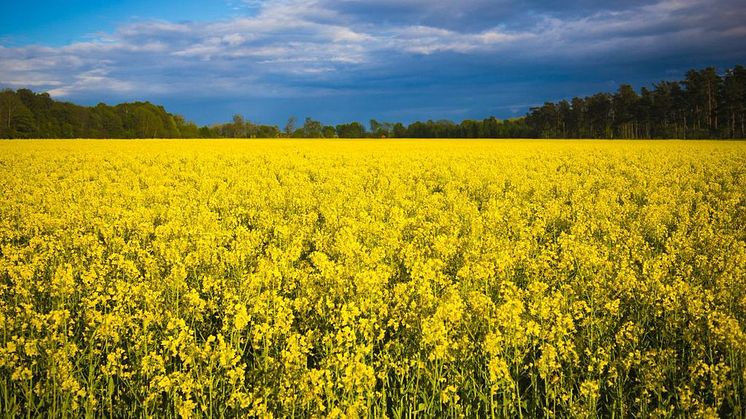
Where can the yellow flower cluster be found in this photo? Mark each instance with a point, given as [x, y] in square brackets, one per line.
[372, 278]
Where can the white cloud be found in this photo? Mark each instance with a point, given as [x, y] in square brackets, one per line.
[99, 79]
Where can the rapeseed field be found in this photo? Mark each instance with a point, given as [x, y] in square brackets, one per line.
[372, 278]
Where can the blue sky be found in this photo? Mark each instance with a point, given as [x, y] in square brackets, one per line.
[57, 23]
[343, 60]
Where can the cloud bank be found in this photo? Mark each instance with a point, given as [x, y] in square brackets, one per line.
[387, 57]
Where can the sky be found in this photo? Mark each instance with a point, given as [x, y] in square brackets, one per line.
[353, 60]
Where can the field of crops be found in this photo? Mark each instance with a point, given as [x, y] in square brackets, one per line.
[396, 278]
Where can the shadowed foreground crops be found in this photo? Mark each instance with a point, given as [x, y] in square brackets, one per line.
[297, 278]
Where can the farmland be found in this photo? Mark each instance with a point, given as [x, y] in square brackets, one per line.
[355, 278]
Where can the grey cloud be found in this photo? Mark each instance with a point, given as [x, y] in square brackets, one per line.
[470, 15]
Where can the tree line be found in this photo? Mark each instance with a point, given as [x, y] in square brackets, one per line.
[25, 114]
[488, 128]
[704, 105]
